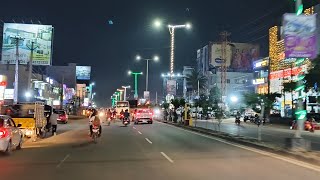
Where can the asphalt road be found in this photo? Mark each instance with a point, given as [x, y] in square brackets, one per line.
[275, 134]
[158, 151]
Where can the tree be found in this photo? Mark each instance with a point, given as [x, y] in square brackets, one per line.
[289, 87]
[252, 100]
[182, 102]
[215, 97]
[165, 105]
[194, 78]
[176, 103]
[312, 77]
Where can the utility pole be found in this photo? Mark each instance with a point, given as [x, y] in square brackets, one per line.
[61, 93]
[156, 97]
[16, 75]
[32, 48]
[224, 42]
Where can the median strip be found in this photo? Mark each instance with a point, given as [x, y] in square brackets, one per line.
[167, 157]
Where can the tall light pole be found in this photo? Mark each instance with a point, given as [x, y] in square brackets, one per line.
[17, 39]
[172, 29]
[31, 48]
[135, 82]
[121, 93]
[125, 92]
[155, 58]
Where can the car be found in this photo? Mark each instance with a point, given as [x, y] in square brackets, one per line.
[11, 137]
[144, 116]
[63, 116]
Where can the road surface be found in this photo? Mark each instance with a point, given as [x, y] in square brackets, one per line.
[154, 152]
[275, 134]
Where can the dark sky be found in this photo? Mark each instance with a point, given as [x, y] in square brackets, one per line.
[83, 35]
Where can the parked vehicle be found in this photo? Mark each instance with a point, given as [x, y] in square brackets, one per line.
[11, 137]
[63, 116]
[144, 116]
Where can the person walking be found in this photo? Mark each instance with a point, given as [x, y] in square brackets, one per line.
[54, 123]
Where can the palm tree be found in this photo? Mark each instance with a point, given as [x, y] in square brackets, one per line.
[194, 78]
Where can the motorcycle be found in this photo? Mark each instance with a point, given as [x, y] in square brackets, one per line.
[95, 133]
[237, 121]
[126, 121]
[109, 121]
[246, 118]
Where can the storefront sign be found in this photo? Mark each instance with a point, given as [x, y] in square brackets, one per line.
[287, 72]
[8, 93]
[259, 81]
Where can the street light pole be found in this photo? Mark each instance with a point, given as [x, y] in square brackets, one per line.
[32, 48]
[135, 82]
[171, 30]
[155, 58]
[16, 76]
[125, 92]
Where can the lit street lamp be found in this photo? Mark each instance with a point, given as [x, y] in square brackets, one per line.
[135, 82]
[155, 58]
[157, 24]
[121, 93]
[125, 92]
[234, 99]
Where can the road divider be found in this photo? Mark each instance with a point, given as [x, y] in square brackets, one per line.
[167, 157]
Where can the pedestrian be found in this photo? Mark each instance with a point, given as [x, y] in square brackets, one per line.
[54, 123]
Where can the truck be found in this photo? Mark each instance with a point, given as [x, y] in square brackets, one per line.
[31, 116]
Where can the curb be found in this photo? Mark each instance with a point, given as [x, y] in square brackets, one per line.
[250, 143]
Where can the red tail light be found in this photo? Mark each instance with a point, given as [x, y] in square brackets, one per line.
[3, 133]
[150, 113]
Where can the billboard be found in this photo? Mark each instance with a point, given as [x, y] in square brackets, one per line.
[239, 56]
[171, 87]
[83, 72]
[216, 55]
[8, 93]
[40, 35]
[146, 95]
[300, 39]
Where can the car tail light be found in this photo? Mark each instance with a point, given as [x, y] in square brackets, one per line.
[3, 133]
[150, 113]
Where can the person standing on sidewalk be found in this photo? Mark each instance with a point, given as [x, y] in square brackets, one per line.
[54, 123]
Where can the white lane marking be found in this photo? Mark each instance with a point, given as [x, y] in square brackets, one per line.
[139, 132]
[289, 160]
[134, 127]
[148, 140]
[167, 157]
[63, 160]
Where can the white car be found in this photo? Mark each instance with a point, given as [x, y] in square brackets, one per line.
[11, 137]
[144, 116]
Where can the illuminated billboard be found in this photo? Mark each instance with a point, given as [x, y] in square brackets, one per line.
[171, 87]
[300, 36]
[38, 35]
[83, 72]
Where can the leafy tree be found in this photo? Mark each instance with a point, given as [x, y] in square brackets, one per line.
[176, 103]
[312, 77]
[165, 105]
[252, 100]
[182, 102]
[194, 78]
[215, 97]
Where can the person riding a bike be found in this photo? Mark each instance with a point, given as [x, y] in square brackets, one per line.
[109, 114]
[94, 121]
[126, 115]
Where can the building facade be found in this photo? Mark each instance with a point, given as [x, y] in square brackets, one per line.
[261, 75]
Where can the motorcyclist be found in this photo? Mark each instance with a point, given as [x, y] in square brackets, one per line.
[109, 114]
[126, 115]
[95, 120]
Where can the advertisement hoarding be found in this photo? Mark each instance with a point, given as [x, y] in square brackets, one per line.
[300, 39]
[216, 55]
[8, 93]
[146, 95]
[239, 56]
[83, 72]
[41, 35]
[171, 87]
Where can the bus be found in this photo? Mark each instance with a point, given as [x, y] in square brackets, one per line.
[122, 105]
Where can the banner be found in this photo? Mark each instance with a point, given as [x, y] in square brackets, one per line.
[171, 87]
[300, 36]
[83, 72]
[40, 35]
[146, 95]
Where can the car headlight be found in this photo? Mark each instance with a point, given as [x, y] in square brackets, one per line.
[101, 114]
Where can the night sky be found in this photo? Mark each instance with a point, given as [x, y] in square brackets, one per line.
[84, 36]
